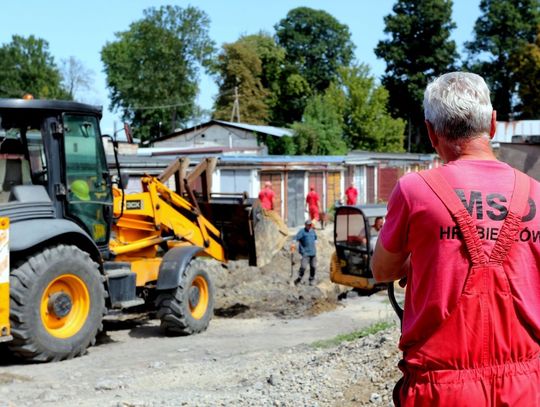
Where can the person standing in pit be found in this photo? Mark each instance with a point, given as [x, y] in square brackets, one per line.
[306, 238]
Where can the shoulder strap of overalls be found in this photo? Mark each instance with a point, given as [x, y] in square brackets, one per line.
[465, 222]
[467, 226]
[512, 222]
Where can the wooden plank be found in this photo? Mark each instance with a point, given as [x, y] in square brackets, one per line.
[333, 188]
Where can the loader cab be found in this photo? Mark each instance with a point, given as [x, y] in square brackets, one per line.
[89, 197]
[51, 155]
[354, 241]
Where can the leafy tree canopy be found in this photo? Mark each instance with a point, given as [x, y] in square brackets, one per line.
[351, 114]
[152, 69]
[252, 64]
[503, 28]
[525, 63]
[316, 45]
[272, 58]
[320, 132]
[362, 104]
[418, 49]
[26, 66]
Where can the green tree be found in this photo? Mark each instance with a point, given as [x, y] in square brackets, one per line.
[294, 92]
[316, 45]
[525, 64]
[504, 27]
[26, 66]
[320, 132]
[278, 145]
[272, 58]
[152, 69]
[253, 64]
[362, 105]
[418, 49]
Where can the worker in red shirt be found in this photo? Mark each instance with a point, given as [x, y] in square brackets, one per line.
[351, 195]
[313, 204]
[266, 196]
[464, 237]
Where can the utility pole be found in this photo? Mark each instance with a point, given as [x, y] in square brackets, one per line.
[236, 103]
[236, 106]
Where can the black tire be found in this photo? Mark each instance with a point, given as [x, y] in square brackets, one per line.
[34, 336]
[177, 315]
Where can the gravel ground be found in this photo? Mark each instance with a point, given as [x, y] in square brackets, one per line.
[235, 362]
[356, 373]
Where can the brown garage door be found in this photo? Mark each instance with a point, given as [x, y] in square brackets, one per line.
[388, 178]
[275, 179]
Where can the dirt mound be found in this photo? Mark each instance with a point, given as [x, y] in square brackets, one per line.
[243, 291]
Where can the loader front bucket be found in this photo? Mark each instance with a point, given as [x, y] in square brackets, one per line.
[247, 230]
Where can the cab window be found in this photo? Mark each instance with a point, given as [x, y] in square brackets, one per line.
[86, 174]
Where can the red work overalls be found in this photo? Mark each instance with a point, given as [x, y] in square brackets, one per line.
[482, 354]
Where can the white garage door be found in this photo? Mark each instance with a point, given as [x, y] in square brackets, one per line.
[236, 181]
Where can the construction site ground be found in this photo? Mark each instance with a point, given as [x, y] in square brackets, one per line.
[263, 348]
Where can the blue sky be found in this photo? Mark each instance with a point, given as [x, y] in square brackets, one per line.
[81, 28]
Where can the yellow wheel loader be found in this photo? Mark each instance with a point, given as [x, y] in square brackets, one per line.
[75, 247]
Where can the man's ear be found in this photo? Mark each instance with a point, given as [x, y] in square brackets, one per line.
[493, 127]
[431, 133]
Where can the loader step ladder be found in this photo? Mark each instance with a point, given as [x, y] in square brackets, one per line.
[122, 285]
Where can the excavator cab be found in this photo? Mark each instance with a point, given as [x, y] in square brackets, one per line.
[354, 242]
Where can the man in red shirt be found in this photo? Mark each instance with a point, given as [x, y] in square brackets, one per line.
[266, 196]
[351, 195]
[313, 204]
[466, 237]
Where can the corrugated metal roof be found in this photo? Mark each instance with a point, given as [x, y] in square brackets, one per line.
[271, 130]
[209, 150]
[362, 156]
[323, 159]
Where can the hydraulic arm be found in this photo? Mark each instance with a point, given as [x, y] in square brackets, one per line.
[156, 217]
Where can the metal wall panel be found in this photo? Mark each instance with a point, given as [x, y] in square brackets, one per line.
[370, 184]
[295, 198]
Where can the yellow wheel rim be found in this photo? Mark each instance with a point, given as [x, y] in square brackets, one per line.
[198, 297]
[65, 305]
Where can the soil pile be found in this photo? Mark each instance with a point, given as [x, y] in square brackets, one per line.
[246, 292]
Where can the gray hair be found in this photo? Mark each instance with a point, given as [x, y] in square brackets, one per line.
[457, 105]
